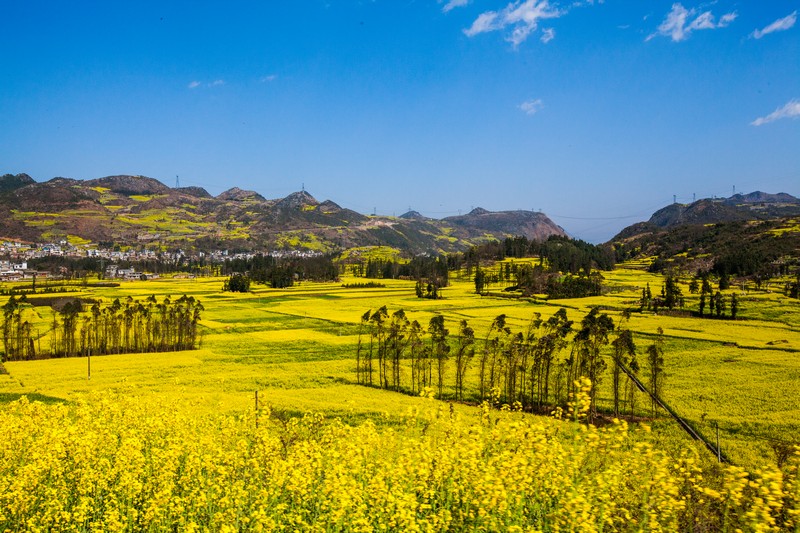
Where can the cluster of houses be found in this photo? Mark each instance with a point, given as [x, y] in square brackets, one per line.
[11, 271]
[17, 254]
[18, 250]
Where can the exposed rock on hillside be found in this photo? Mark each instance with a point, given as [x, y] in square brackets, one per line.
[236, 194]
[197, 192]
[10, 182]
[412, 215]
[536, 226]
[129, 185]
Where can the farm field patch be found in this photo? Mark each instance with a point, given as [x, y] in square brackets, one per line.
[296, 347]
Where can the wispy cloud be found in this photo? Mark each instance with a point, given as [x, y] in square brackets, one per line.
[531, 107]
[195, 84]
[548, 34]
[681, 22]
[521, 17]
[790, 110]
[452, 4]
[267, 79]
[779, 25]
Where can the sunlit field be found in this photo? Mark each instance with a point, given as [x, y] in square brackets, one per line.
[296, 347]
[265, 426]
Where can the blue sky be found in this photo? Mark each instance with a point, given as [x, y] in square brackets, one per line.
[597, 113]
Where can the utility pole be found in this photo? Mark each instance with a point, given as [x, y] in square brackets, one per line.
[674, 198]
[177, 182]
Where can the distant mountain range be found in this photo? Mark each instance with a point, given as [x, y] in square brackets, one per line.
[754, 206]
[137, 210]
[764, 227]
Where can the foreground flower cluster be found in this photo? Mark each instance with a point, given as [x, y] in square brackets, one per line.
[129, 464]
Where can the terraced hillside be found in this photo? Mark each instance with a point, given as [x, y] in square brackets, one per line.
[137, 210]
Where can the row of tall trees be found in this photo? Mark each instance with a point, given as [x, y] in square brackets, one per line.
[432, 270]
[131, 326]
[672, 296]
[18, 338]
[718, 304]
[536, 366]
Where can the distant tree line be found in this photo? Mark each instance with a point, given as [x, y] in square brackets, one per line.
[561, 254]
[671, 296]
[567, 268]
[364, 285]
[430, 272]
[131, 326]
[282, 272]
[536, 366]
[79, 267]
[540, 280]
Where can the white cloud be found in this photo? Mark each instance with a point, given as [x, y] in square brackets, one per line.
[452, 4]
[482, 24]
[783, 24]
[522, 17]
[267, 79]
[195, 84]
[548, 34]
[727, 18]
[531, 107]
[680, 22]
[790, 110]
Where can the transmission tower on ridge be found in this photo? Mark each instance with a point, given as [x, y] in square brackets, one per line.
[177, 182]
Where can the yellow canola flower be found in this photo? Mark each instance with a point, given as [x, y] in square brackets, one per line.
[121, 463]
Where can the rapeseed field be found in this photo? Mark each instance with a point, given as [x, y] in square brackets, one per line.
[136, 462]
[369, 459]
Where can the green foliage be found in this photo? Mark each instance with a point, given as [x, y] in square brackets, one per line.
[561, 253]
[237, 283]
[579, 286]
